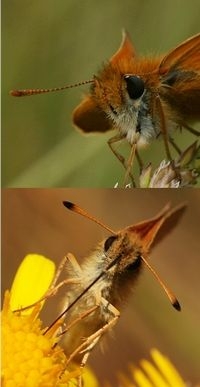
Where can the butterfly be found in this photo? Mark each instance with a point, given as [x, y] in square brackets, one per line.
[143, 98]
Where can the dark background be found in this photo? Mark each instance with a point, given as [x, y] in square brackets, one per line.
[34, 221]
[52, 43]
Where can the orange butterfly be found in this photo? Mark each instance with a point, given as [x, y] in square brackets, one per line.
[141, 97]
[104, 281]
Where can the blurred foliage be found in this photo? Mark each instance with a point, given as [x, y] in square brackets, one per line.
[47, 44]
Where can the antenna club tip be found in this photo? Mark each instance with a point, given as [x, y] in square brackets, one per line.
[68, 205]
[176, 305]
[16, 93]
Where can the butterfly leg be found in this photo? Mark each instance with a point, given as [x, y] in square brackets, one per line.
[175, 146]
[90, 342]
[79, 318]
[85, 358]
[68, 259]
[191, 130]
[129, 164]
[54, 288]
[163, 126]
[72, 324]
[115, 315]
[139, 160]
[122, 160]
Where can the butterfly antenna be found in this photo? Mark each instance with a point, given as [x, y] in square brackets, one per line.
[28, 92]
[73, 207]
[175, 303]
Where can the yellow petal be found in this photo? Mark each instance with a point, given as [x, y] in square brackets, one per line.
[32, 280]
[167, 368]
[89, 378]
[154, 374]
[141, 379]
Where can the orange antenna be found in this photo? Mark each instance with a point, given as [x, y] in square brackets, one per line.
[168, 292]
[28, 92]
[78, 210]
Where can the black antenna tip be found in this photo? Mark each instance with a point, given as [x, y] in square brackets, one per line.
[176, 305]
[68, 205]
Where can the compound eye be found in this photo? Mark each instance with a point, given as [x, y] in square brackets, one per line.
[135, 86]
[108, 243]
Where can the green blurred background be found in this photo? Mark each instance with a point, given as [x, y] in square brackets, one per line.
[35, 221]
[52, 43]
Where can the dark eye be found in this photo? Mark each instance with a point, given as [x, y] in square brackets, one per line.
[109, 242]
[135, 86]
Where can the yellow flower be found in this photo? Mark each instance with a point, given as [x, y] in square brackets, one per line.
[161, 373]
[31, 356]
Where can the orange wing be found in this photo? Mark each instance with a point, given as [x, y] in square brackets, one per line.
[148, 229]
[180, 82]
[89, 118]
[186, 56]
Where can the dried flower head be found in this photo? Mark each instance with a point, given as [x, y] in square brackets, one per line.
[181, 172]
